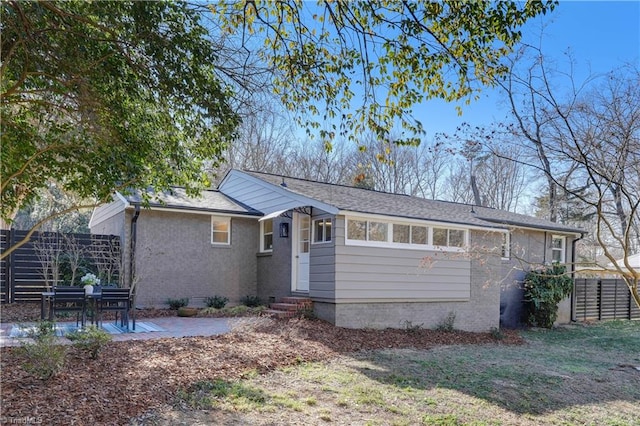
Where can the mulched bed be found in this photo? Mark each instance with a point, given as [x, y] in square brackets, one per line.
[29, 312]
[130, 378]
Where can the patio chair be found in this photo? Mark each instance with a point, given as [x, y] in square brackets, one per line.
[116, 300]
[69, 299]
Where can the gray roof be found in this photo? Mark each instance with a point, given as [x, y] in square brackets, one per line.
[375, 202]
[210, 200]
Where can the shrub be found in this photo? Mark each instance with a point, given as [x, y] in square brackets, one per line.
[543, 289]
[496, 333]
[44, 358]
[174, 304]
[217, 302]
[90, 339]
[251, 301]
[446, 324]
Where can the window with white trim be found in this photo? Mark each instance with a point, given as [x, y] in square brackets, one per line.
[505, 248]
[357, 230]
[447, 237]
[266, 235]
[392, 234]
[377, 231]
[558, 248]
[220, 230]
[322, 230]
[410, 234]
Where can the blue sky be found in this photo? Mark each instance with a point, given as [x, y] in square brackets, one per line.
[601, 35]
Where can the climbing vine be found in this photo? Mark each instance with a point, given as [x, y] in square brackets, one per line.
[544, 288]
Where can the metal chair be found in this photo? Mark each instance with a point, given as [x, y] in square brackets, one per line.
[115, 300]
[69, 299]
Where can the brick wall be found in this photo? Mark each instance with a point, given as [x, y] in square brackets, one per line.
[274, 268]
[175, 259]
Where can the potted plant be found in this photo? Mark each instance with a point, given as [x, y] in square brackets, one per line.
[88, 281]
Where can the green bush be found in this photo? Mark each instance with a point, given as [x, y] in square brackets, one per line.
[90, 339]
[217, 302]
[543, 289]
[44, 358]
[251, 301]
[174, 304]
[446, 324]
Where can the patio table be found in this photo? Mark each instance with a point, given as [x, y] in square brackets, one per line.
[47, 298]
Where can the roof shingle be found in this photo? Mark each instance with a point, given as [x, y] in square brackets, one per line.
[361, 200]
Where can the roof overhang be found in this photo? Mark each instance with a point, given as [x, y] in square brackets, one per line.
[192, 210]
[558, 229]
[488, 227]
[293, 200]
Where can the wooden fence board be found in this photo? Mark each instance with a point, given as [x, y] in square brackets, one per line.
[22, 277]
[601, 299]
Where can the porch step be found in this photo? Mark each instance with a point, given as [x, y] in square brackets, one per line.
[284, 306]
[289, 307]
[273, 313]
[298, 300]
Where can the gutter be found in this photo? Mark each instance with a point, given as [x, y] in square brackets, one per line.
[573, 276]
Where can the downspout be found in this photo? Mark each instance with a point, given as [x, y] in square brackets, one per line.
[573, 276]
[132, 258]
[132, 244]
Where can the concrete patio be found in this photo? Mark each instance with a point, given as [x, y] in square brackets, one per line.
[170, 326]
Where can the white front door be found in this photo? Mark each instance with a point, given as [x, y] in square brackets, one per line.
[303, 239]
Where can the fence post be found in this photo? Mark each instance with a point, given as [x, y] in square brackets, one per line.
[599, 300]
[10, 267]
[629, 305]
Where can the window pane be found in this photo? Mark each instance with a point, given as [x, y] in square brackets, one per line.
[439, 237]
[418, 235]
[456, 238]
[356, 230]
[268, 242]
[220, 231]
[319, 231]
[556, 243]
[267, 235]
[505, 245]
[377, 231]
[401, 233]
[220, 226]
[220, 237]
[327, 229]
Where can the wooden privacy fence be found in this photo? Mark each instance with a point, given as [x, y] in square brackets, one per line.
[45, 261]
[601, 299]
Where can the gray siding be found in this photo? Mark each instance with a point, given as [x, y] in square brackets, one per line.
[400, 290]
[105, 213]
[374, 273]
[322, 266]
[260, 196]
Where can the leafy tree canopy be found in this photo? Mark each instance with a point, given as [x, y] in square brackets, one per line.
[353, 66]
[98, 96]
